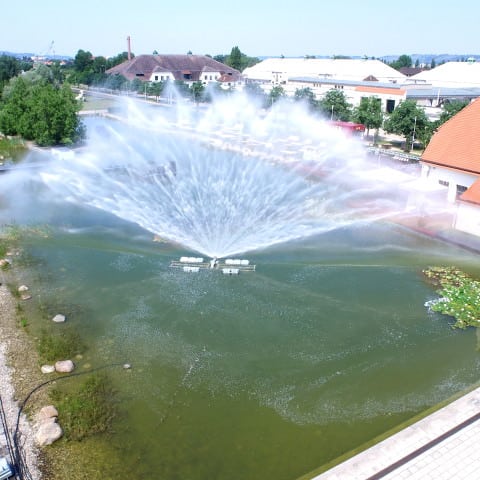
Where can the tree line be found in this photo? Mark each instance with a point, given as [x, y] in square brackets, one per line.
[39, 104]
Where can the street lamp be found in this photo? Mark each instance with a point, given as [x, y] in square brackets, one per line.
[414, 128]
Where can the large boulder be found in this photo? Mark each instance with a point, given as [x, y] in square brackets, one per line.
[46, 413]
[64, 366]
[48, 432]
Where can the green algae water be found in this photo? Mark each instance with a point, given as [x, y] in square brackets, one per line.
[264, 375]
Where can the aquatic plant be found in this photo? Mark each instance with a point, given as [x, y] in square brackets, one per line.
[87, 410]
[459, 295]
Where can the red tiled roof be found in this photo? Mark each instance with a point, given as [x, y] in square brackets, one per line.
[142, 66]
[456, 144]
[472, 194]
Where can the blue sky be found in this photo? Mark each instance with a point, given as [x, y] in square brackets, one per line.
[257, 27]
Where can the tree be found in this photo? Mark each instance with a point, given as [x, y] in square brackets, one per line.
[83, 61]
[9, 68]
[117, 60]
[254, 91]
[197, 89]
[276, 93]
[234, 60]
[369, 112]
[432, 63]
[407, 120]
[238, 60]
[334, 106]
[41, 112]
[402, 61]
[450, 109]
[305, 95]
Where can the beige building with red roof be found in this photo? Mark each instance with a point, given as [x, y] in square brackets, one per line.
[452, 159]
[186, 68]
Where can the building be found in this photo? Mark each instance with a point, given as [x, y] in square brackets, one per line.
[186, 68]
[450, 75]
[452, 159]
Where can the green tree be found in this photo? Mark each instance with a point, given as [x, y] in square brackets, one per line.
[14, 106]
[407, 120]
[9, 68]
[305, 95]
[41, 112]
[197, 89]
[83, 61]
[276, 93]
[115, 82]
[238, 60]
[155, 89]
[234, 60]
[402, 61]
[254, 91]
[450, 109]
[433, 64]
[334, 106]
[369, 112]
[117, 60]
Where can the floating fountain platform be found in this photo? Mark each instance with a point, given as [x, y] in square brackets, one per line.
[228, 266]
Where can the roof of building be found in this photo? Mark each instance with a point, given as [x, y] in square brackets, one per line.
[346, 69]
[444, 92]
[472, 194]
[456, 144]
[350, 83]
[381, 90]
[409, 71]
[452, 74]
[143, 66]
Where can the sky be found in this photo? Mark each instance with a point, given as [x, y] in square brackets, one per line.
[258, 27]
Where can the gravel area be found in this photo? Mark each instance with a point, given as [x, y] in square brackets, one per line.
[12, 347]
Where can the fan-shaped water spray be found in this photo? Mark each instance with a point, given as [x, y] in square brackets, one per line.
[220, 181]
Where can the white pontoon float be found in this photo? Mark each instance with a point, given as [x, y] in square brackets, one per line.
[228, 266]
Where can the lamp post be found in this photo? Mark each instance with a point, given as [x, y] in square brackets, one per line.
[331, 116]
[414, 128]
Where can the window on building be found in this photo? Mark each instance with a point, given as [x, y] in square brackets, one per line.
[460, 189]
[390, 106]
[443, 182]
[156, 78]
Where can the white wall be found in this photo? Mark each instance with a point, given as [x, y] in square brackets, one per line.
[162, 77]
[468, 218]
[445, 175]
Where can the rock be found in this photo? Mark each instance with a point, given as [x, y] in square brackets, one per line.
[46, 413]
[4, 262]
[127, 366]
[25, 296]
[59, 318]
[64, 366]
[23, 288]
[48, 433]
[47, 368]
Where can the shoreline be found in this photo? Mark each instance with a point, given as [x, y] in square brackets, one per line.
[12, 346]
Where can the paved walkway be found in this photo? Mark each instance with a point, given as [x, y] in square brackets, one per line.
[442, 446]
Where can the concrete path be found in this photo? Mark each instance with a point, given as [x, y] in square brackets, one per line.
[443, 446]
